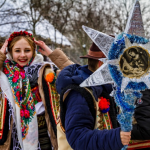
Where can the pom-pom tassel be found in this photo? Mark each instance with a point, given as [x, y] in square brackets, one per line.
[50, 77]
[104, 105]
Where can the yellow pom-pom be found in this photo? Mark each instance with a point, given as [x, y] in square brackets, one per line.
[50, 77]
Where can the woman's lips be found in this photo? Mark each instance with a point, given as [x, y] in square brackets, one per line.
[24, 60]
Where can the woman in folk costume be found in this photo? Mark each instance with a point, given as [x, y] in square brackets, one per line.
[28, 99]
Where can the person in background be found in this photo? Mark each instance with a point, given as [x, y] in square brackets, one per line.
[88, 116]
[85, 119]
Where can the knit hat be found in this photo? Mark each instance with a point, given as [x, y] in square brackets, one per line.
[94, 53]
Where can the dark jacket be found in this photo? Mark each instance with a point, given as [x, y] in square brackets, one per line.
[141, 130]
[79, 122]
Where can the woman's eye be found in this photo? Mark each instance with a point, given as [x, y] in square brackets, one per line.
[27, 50]
[17, 51]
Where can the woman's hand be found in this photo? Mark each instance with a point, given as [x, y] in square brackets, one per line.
[45, 49]
[4, 47]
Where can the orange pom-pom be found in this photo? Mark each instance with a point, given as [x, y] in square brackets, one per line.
[50, 77]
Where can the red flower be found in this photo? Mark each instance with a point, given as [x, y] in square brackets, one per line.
[16, 74]
[21, 32]
[14, 80]
[25, 32]
[17, 87]
[32, 107]
[23, 106]
[26, 113]
[23, 129]
[22, 113]
[18, 95]
[9, 39]
[22, 74]
[6, 71]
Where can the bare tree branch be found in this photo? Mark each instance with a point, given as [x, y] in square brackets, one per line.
[2, 4]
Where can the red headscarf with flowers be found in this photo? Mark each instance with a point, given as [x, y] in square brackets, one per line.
[21, 92]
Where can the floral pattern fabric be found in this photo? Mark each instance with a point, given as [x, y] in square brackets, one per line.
[21, 92]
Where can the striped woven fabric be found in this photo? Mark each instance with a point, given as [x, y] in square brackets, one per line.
[137, 144]
[44, 138]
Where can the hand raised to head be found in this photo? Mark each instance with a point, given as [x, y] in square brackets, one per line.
[4, 47]
[45, 50]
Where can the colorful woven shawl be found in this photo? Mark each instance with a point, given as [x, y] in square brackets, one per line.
[24, 101]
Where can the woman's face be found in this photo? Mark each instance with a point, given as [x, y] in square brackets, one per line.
[22, 52]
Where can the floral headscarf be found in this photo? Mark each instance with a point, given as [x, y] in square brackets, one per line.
[22, 93]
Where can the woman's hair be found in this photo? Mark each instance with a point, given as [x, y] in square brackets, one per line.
[92, 64]
[17, 38]
[1, 44]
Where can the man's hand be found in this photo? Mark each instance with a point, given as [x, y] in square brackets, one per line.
[3, 48]
[45, 49]
[125, 137]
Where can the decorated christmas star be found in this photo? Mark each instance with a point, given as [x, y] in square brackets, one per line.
[119, 53]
